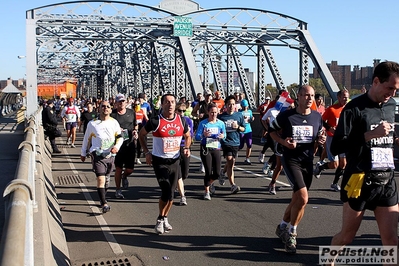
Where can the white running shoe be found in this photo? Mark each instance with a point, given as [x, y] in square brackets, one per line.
[183, 201]
[207, 196]
[166, 225]
[261, 158]
[265, 168]
[201, 168]
[247, 161]
[159, 227]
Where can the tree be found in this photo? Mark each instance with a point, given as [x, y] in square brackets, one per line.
[318, 86]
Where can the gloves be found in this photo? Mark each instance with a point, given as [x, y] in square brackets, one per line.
[354, 185]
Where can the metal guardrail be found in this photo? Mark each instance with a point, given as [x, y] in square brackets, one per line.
[17, 243]
[33, 233]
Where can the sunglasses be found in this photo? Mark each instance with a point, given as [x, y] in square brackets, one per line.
[105, 106]
[180, 110]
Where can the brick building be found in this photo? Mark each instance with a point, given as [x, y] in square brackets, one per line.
[350, 79]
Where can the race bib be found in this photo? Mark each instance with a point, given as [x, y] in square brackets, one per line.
[212, 143]
[125, 134]
[381, 158]
[229, 125]
[71, 117]
[213, 130]
[139, 121]
[171, 144]
[302, 134]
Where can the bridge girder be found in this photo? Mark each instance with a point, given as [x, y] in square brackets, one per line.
[132, 46]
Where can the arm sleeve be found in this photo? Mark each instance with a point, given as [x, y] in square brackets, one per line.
[340, 142]
[118, 138]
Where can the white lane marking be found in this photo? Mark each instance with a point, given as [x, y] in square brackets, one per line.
[116, 248]
[252, 173]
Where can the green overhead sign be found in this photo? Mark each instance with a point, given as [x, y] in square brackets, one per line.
[183, 27]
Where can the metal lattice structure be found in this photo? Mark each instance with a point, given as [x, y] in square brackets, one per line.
[108, 47]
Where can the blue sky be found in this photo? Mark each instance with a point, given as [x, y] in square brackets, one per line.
[350, 32]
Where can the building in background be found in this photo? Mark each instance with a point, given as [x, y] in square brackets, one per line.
[344, 76]
[20, 84]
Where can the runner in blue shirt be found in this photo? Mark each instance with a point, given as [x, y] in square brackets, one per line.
[210, 132]
[234, 123]
[246, 136]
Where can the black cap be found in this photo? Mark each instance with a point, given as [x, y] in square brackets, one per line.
[50, 101]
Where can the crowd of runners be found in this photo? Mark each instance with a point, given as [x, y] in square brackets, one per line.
[354, 137]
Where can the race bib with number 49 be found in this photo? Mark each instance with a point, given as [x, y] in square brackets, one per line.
[302, 134]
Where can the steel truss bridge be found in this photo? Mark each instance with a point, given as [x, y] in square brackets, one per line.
[108, 47]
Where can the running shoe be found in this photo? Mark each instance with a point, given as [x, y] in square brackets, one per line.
[159, 227]
[290, 244]
[335, 187]
[270, 173]
[265, 168]
[207, 196]
[222, 177]
[212, 189]
[247, 161]
[272, 189]
[166, 225]
[118, 194]
[235, 189]
[282, 234]
[68, 142]
[125, 183]
[261, 158]
[317, 170]
[106, 208]
[73, 145]
[183, 201]
[138, 161]
[201, 168]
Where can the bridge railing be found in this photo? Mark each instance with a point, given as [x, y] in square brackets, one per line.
[33, 232]
[17, 243]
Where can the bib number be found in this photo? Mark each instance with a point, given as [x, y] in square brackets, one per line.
[381, 158]
[171, 144]
[229, 125]
[125, 134]
[212, 143]
[70, 117]
[302, 134]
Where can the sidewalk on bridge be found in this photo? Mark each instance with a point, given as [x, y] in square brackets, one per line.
[11, 135]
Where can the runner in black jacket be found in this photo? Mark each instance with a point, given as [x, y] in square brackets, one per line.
[365, 132]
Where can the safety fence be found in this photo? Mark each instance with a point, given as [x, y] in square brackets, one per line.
[33, 232]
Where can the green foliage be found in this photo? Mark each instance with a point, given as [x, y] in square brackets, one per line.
[318, 86]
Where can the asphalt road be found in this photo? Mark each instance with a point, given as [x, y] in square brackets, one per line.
[228, 230]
